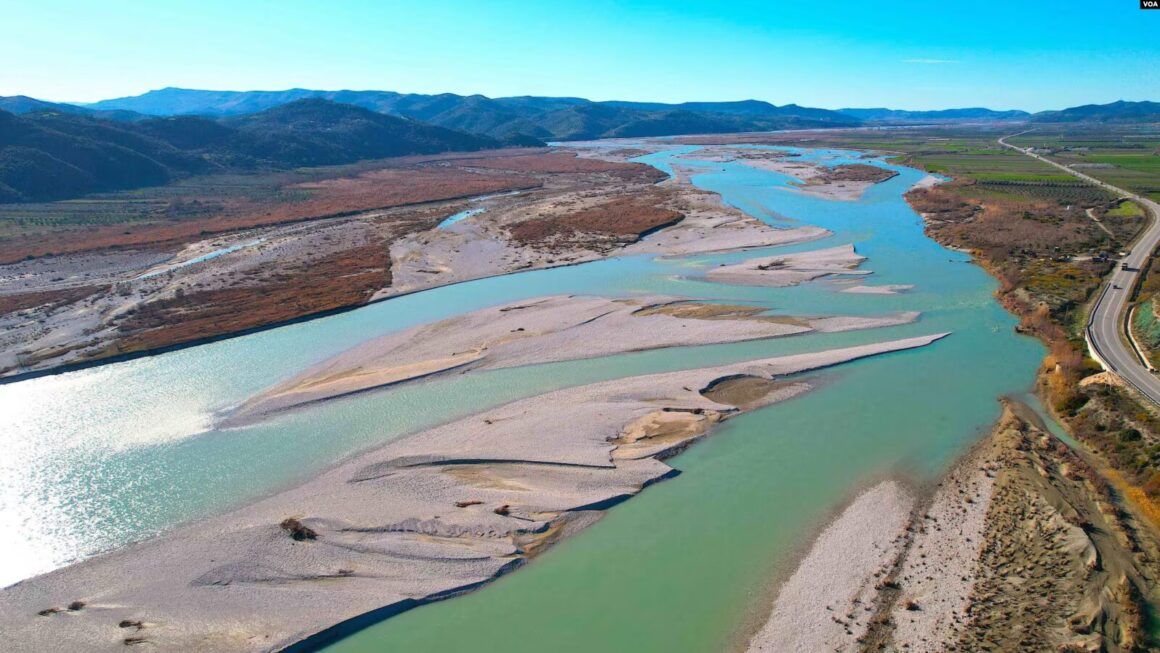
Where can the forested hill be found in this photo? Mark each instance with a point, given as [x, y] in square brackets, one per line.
[49, 155]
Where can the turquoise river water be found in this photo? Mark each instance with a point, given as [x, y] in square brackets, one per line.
[101, 457]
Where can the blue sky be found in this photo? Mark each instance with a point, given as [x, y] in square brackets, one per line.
[902, 54]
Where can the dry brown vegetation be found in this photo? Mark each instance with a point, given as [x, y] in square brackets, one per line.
[561, 162]
[622, 219]
[197, 216]
[852, 172]
[1037, 249]
[346, 279]
[50, 298]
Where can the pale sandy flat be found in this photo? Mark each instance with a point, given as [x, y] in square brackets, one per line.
[827, 603]
[540, 330]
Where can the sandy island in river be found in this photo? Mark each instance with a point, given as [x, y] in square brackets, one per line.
[791, 269]
[1020, 547]
[844, 182]
[540, 330]
[885, 289]
[483, 245]
[418, 519]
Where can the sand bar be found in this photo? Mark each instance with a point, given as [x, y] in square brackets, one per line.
[885, 289]
[541, 330]
[791, 269]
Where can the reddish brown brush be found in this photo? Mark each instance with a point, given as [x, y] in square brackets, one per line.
[623, 218]
[348, 278]
[376, 189]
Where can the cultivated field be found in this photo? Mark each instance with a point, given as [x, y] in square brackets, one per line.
[1128, 157]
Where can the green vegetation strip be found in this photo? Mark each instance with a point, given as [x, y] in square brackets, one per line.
[1146, 328]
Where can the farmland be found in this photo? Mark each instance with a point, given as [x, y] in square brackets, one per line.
[1128, 157]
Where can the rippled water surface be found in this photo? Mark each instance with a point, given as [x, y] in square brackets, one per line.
[100, 457]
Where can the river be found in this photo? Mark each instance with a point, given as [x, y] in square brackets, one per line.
[101, 457]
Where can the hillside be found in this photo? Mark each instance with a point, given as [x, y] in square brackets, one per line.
[54, 155]
[541, 117]
[320, 132]
[1116, 112]
[897, 115]
[57, 155]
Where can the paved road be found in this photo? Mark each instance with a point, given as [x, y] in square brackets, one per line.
[1106, 334]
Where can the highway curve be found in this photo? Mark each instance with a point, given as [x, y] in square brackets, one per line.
[1106, 330]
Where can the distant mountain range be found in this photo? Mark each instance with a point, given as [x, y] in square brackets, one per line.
[896, 115]
[25, 104]
[549, 118]
[54, 150]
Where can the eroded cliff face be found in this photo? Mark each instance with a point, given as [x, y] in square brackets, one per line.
[1058, 563]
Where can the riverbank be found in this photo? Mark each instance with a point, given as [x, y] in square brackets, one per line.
[1050, 293]
[418, 519]
[1020, 518]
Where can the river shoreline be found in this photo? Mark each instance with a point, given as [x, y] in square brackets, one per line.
[967, 531]
[666, 425]
[370, 519]
[1018, 515]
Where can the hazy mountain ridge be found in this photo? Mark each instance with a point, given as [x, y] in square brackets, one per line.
[1121, 111]
[23, 104]
[972, 113]
[55, 150]
[542, 117]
